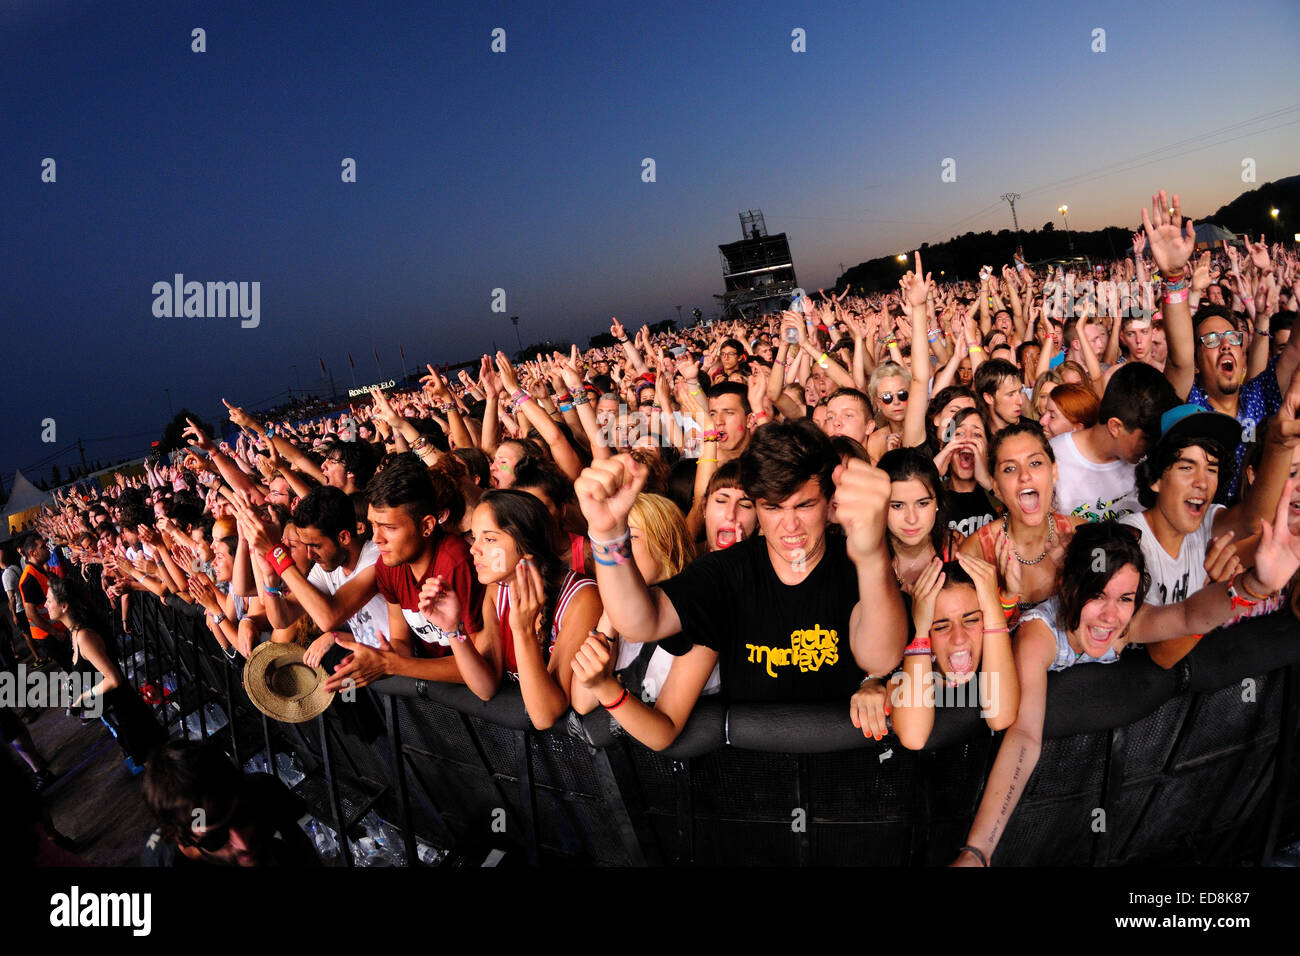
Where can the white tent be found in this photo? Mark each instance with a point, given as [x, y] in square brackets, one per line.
[24, 500]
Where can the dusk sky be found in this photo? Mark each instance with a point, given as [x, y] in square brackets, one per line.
[522, 170]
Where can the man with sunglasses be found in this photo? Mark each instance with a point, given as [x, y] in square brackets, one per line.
[211, 814]
[1207, 361]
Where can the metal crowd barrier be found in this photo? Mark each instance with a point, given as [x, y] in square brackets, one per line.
[1139, 765]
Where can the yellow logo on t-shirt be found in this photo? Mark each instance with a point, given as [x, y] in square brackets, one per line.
[809, 648]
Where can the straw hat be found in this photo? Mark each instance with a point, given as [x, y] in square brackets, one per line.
[284, 688]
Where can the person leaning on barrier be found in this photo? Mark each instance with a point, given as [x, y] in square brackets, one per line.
[209, 813]
[537, 611]
[776, 608]
[961, 653]
[1098, 611]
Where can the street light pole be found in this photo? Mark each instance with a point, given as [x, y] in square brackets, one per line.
[1273, 212]
[514, 320]
[1063, 210]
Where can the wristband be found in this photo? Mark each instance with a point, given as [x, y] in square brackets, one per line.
[823, 362]
[1237, 600]
[976, 348]
[1177, 286]
[1173, 298]
[582, 399]
[270, 590]
[610, 553]
[622, 698]
[1247, 298]
[457, 634]
[279, 558]
[563, 397]
[419, 443]
[566, 406]
[997, 630]
[977, 853]
[920, 645]
[1244, 587]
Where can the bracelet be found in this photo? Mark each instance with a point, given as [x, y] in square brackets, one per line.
[566, 406]
[977, 853]
[217, 618]
[618, 551]
[997, 630]
[707, 461]
[976, 348]
[563, 397]
[582, 399]
[1173, 298]
[920, 645]
[1176, 286]
[1247, 298]
[622, 698]
[458, 635]
[419, 443]
[279, 558]
[271, 590]
[777, 361]
[1244, 587]
[1015, 603]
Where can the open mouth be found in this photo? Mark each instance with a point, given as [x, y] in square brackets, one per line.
[961, 662]
[793, 542]
[1099, 639]
[725, 538]
[1195, 507]
[1228, 365]
[1030, 501]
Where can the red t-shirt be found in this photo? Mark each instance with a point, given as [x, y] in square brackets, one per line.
[451, 562]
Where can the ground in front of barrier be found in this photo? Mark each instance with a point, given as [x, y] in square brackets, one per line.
[93, 799]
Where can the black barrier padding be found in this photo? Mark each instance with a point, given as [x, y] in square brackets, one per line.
[1088, 698]
[1256, 646]
[794, 728]
[953, 726]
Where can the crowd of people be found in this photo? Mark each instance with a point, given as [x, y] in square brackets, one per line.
[873, 499]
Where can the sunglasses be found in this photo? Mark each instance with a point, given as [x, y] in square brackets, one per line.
[216, 837]
[1211, 340]
[887, 398]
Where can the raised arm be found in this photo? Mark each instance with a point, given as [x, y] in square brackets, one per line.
[606, 492]
[1172, 242]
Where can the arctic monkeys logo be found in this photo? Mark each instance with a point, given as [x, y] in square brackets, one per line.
[809, 650]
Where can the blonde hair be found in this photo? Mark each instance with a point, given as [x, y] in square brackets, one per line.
[664, 529]
[1053, 377]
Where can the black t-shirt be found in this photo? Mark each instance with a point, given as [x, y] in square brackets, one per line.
[775, 642]
[968, 511]
[277, 809]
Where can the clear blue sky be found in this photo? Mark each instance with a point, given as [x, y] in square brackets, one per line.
[522, 170]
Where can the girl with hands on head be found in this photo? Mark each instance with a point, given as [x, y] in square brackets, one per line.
[961, 638]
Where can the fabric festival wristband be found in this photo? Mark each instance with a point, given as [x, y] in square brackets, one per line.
[1173, 298]
[622, 698]
[920, 645]
[279, 558]
[1176, 286]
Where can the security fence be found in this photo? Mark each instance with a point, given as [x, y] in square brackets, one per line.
[1139, 765]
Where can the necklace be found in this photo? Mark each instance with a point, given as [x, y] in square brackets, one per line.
[1051, 539]
[901, 572]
